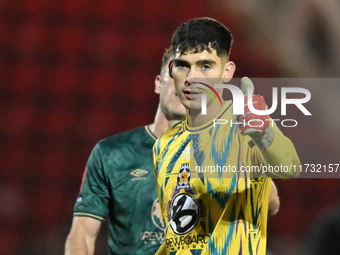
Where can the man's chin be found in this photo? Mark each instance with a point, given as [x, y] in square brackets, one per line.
[179, 116]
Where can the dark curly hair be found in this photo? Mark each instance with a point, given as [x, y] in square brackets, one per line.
[201, 34]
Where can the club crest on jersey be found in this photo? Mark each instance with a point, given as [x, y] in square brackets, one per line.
[183, 177]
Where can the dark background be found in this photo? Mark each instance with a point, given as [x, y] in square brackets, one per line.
[73, 72]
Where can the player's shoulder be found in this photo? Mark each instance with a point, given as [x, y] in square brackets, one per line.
[168, 137]
[127, 138]
[172, 131]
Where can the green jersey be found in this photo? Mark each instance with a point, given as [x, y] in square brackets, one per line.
[119, 182]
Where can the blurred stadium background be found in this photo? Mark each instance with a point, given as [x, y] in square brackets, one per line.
[73, 72]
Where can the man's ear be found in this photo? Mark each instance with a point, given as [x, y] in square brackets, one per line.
[229, 70]
[171, 64]
[158, 81]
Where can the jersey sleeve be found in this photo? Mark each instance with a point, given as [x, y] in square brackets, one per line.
[93, 198]
[281, 153]
[155, 167]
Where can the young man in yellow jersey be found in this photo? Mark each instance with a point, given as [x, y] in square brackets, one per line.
[214, 213]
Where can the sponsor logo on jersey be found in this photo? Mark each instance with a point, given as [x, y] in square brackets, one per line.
[152, 237]
[192, 242]
[156, 215]
[138, 173]
[187, 152]
[183, 177]
[184, 214]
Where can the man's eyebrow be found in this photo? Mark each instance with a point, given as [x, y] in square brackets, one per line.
[199, 62]
[180, 62]
[206, 61]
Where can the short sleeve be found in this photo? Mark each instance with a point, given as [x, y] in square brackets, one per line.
[93, 198]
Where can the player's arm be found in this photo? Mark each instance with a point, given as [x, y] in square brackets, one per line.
[82, 237]
[90, 209]
[161, 250]
[281, 153]
[274, 201]
[275, 148]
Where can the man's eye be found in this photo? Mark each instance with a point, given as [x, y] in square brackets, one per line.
[206, 67]
[181, 66]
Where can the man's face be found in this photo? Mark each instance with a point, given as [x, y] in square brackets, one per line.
[170, 104]
[190, 68]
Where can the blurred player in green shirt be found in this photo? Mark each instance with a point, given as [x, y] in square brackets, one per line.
[119, 182]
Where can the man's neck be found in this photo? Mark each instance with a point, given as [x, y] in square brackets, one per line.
[161, 123]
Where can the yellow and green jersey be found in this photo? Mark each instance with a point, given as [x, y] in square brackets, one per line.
[224, 212]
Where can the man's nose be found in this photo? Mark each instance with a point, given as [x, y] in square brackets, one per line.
[192, 74]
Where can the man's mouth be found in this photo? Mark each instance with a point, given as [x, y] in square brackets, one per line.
[191, 94]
